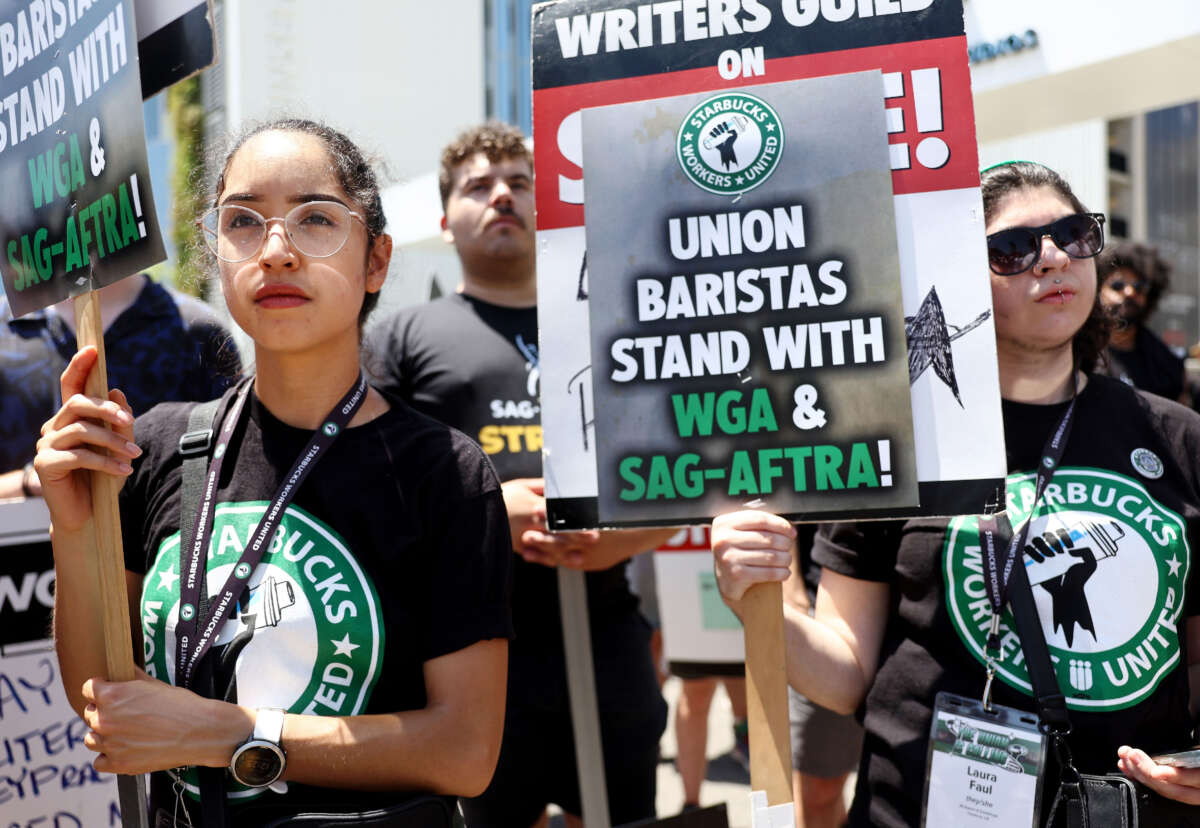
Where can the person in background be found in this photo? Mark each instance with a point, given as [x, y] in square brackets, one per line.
[470, 359]
[1132, 279]
[161, 346]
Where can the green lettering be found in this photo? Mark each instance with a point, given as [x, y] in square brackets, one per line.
[741, 475]
[798, 454]
[659, 484]
[19, 274]
[108, 207]
[62, 170]
[74, 258]
[862, 468]
[41, 178]
[826, 462]
[98, 231]
[28, 262]
[688, 482]
[766, 471]
[693, 413]
[628, 469]
[129, 230]
[43, 261]
[76, 164]
[85, 235]
[731, 421]
[762, 413]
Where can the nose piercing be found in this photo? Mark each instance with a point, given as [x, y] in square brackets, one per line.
[1058, 281]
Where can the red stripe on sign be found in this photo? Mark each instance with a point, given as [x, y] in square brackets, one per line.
[691, 539]
[935, 149]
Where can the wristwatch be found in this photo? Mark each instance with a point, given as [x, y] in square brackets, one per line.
[260, 760]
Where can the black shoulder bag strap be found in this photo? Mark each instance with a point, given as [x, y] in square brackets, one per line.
[1051, 703]
[194, 448]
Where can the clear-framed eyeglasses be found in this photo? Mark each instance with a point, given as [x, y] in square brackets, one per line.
[319, 229]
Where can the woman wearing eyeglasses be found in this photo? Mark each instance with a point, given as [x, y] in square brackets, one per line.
[329, 631]
[903, 614]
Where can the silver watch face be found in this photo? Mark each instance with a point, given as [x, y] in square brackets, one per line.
[257, 764]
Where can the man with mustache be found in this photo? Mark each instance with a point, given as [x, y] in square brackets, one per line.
[1132, 278]
[471, 360]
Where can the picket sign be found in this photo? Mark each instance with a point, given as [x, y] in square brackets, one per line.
[107, 559]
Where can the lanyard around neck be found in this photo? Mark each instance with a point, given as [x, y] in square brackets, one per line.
[1001, 547]
[195, 634]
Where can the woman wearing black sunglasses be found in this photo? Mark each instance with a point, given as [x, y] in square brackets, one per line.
[902, 613]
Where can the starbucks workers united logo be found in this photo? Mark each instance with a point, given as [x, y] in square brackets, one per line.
[730, 143]
[1108, 565]
[308, 635]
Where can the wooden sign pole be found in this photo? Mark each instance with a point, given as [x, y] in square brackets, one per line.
[767, 705]
[109, 556]
[581, 690]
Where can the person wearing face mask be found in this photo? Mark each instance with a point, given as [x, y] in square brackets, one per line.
[1103, 495]
[1132, 279]
[324, 629]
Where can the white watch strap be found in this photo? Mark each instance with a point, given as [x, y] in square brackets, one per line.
[268, 724]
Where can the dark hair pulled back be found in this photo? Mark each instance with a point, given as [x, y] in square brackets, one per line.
[1002, 180]
[353, 170]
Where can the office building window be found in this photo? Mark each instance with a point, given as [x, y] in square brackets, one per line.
[509, 81]
[1172, 156]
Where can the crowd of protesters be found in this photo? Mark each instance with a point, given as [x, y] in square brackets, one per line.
[383, 655]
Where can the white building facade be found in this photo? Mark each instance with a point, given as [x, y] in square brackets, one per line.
[1105, 91]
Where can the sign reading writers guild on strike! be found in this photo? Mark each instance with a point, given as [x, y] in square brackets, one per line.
[77, 211]
[745, 307]
[773, 324]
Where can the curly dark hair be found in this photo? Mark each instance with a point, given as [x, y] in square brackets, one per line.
[1146, 264]
[350, 165]
[998, 182]
[496, 140]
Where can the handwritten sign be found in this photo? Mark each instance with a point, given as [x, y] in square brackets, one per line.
[46, 774]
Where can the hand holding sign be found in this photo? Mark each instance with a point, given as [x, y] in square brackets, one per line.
[76, 439]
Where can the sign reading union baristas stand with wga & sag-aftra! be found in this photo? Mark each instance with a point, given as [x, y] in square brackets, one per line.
[762, 275]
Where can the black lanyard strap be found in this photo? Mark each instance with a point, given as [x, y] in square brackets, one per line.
[995, 531]
[1001, 575]
[196, 628]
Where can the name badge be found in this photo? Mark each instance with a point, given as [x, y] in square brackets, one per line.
[984, 766]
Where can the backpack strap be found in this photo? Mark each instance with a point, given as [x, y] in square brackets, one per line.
[194, 447]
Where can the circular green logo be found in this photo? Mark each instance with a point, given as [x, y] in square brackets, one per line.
[331, 429]
[187, 612]
[1108, 566]
[730, 143]
[307, 632]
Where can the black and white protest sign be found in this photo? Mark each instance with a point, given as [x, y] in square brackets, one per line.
[77, 211]
[747, 333]
[591, 54]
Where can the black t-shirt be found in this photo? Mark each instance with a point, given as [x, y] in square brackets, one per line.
[394, 552]
[1150, 366]
[474, 366]
[1115, 621]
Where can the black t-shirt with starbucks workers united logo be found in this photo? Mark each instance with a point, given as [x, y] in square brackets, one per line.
[1119, 520]
[395, 551]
